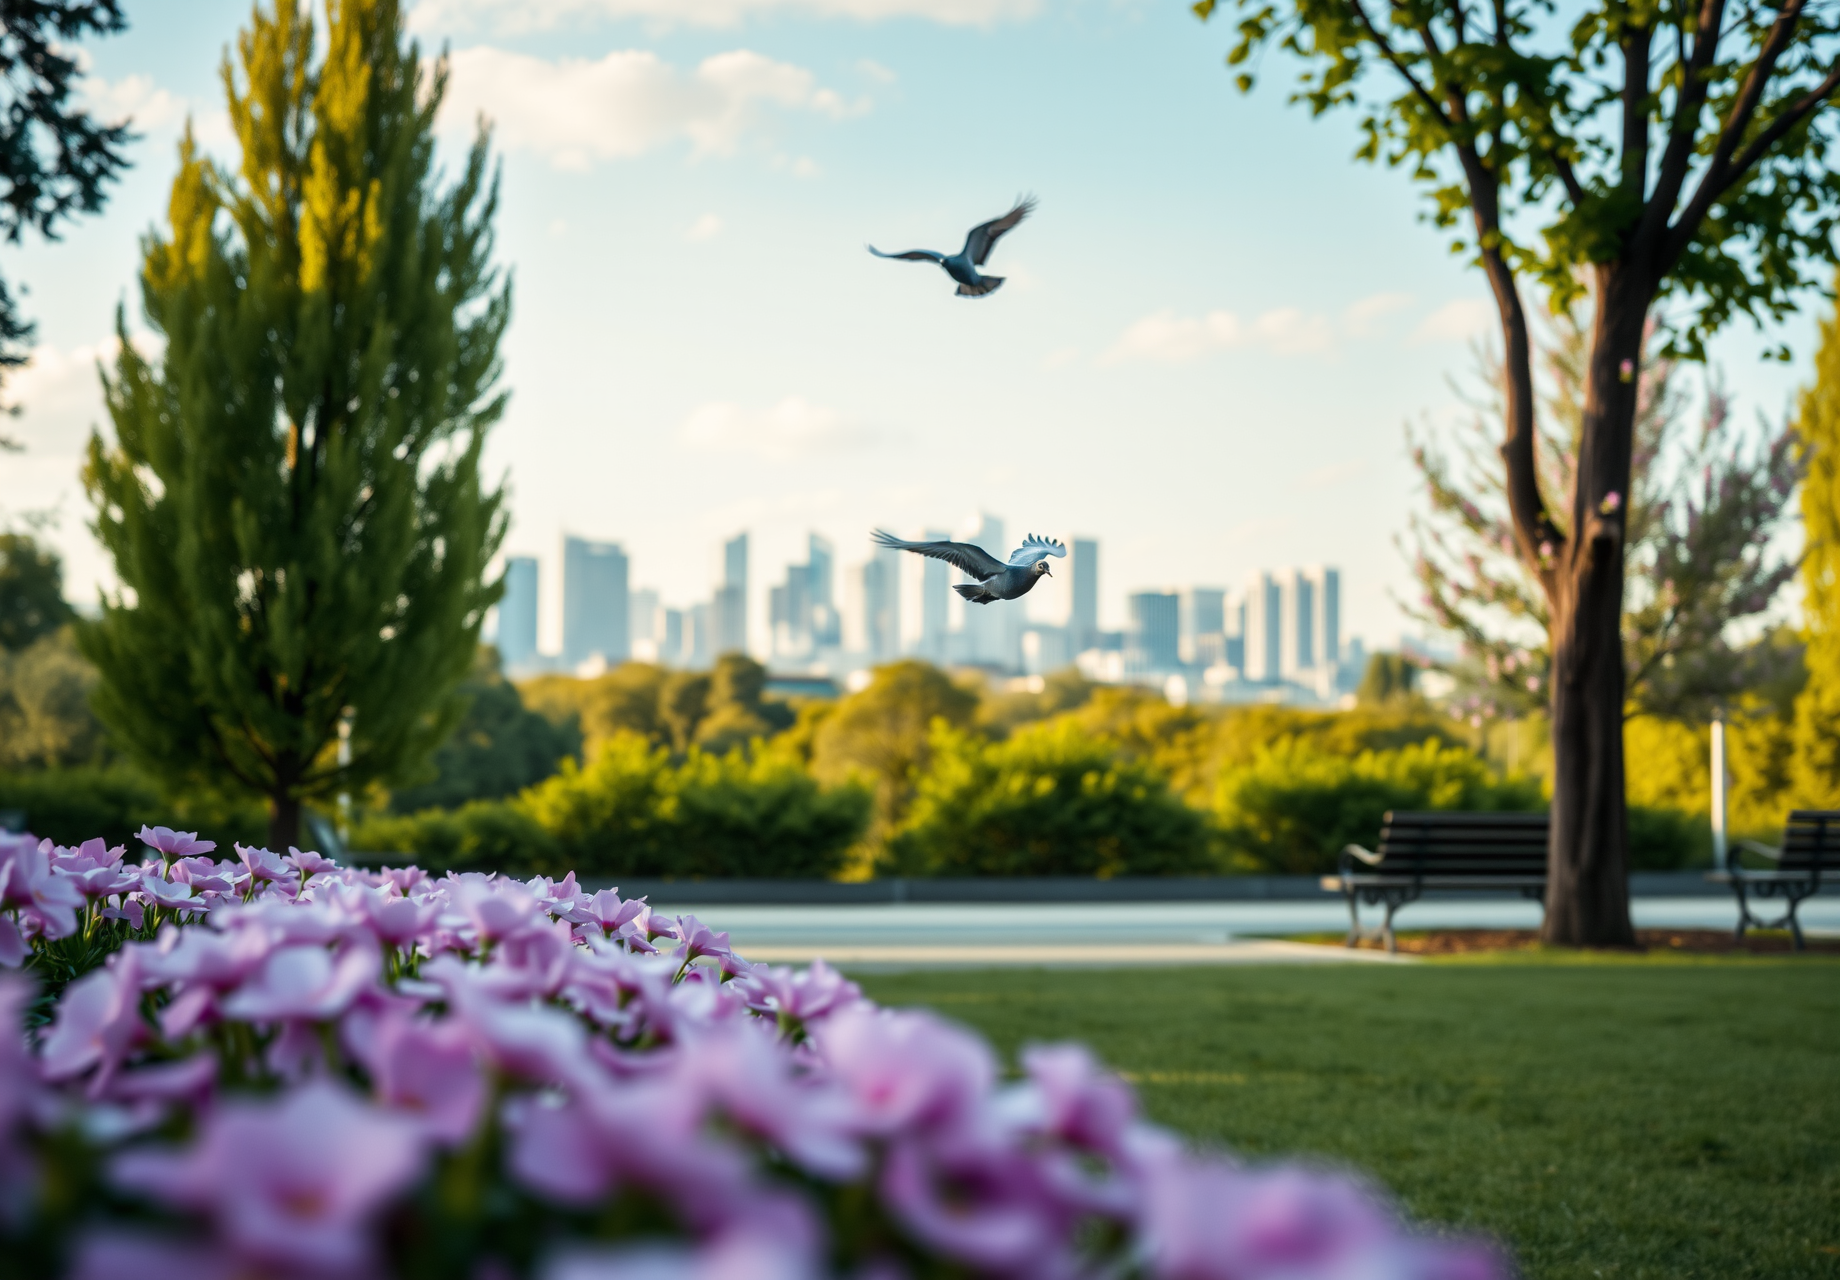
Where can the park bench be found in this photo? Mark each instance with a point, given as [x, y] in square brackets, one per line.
[1441, 850]
[1810, 850]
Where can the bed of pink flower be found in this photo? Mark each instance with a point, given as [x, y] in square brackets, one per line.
[278, 1067]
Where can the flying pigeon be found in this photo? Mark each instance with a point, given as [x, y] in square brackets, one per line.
[995, 579]
[963, 265]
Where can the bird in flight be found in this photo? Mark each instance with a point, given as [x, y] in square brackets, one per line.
[963, 265]
[996, 580]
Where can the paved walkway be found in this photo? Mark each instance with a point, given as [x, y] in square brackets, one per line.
[965, 934]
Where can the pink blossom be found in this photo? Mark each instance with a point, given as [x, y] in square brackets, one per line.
[98, 1021]
[48, 898]
[263, 865]
[304, 982]
[292, 1183]
[174, 844]
[904, 1069]
[426, 1069]
[797, 996]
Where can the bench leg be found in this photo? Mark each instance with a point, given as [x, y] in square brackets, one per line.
[1392, 946]
[1354, 919]
[1795, 926]
[1744, 909]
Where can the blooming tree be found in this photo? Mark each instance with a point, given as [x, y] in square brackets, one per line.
[282, 1067]
[1704, 508]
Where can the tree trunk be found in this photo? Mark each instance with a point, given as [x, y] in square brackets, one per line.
[1587, 872]
[283, 821]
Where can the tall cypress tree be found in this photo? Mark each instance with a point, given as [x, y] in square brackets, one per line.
[1816, 767]
[293, 502]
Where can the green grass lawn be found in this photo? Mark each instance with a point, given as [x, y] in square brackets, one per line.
[1616, 1120]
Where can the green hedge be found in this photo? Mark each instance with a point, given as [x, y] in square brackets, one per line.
[1052, 800]
[636, 811]
[1291, 811]
[75, 804]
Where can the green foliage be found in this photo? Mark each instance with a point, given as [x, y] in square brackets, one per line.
[634, 811]
[114, 801]
[45, 716]
[718, 711]
[1706, 164]
[1051, 800]
[31, 591]
[294, 505]
[1000, 714]
[499, 748]
[54, 158]
[1667, 839]
[1817, 711]
[883, 734]
[483, 835]
[1293, 808]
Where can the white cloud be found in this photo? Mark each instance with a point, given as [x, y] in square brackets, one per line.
[1168, 338]
[134, 98]
[537, 15]
[1359, 318]
[707, 227]
[1456, 321]
[876, 71]
[60, 398]
[576, 111]
[793, 428]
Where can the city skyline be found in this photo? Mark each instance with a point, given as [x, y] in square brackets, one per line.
[1280, 629]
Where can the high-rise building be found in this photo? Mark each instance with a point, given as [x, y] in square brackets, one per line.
[1298, 630]
[1153, 641]
[699, 648]
[820, 563]
[671, 637]
[728, 612]
[1326, 629]
[1083, 618]
[1202, 622]
[935, 602]
[594, 601]
[643, 620]
[1264, 629]
[517, 612]
[991, 633]
[872, 613]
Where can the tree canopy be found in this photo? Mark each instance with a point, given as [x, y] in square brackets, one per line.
[293, 500]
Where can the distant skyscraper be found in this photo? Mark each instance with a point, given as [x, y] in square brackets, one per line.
[1202, 616]
[879, 598]
[594, 601]
[517, 612]
[992, 633]
[671, 637]
[642, 616]
[1153, 642]
[1326, 632]
[729, 614]
[821, 566]
[1298, 630]
[1083, 619]
[1264, 629]
[698, 645]
[935, 601]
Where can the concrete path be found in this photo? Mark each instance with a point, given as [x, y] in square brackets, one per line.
[962, 934]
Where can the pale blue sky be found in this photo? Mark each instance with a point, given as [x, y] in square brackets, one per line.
[1213, 333]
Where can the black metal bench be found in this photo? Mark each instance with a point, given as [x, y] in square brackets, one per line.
[1441, 850]
[1810, 850]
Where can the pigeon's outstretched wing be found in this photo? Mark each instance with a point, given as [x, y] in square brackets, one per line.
[985, 284]
[983, 237]
[912, 255]
[1034, 549]
[965, 556]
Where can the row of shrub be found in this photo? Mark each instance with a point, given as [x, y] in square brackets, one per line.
[1051, 799]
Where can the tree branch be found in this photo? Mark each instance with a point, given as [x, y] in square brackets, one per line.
[1392, 56]
[1677, 159]
[1719, 174]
